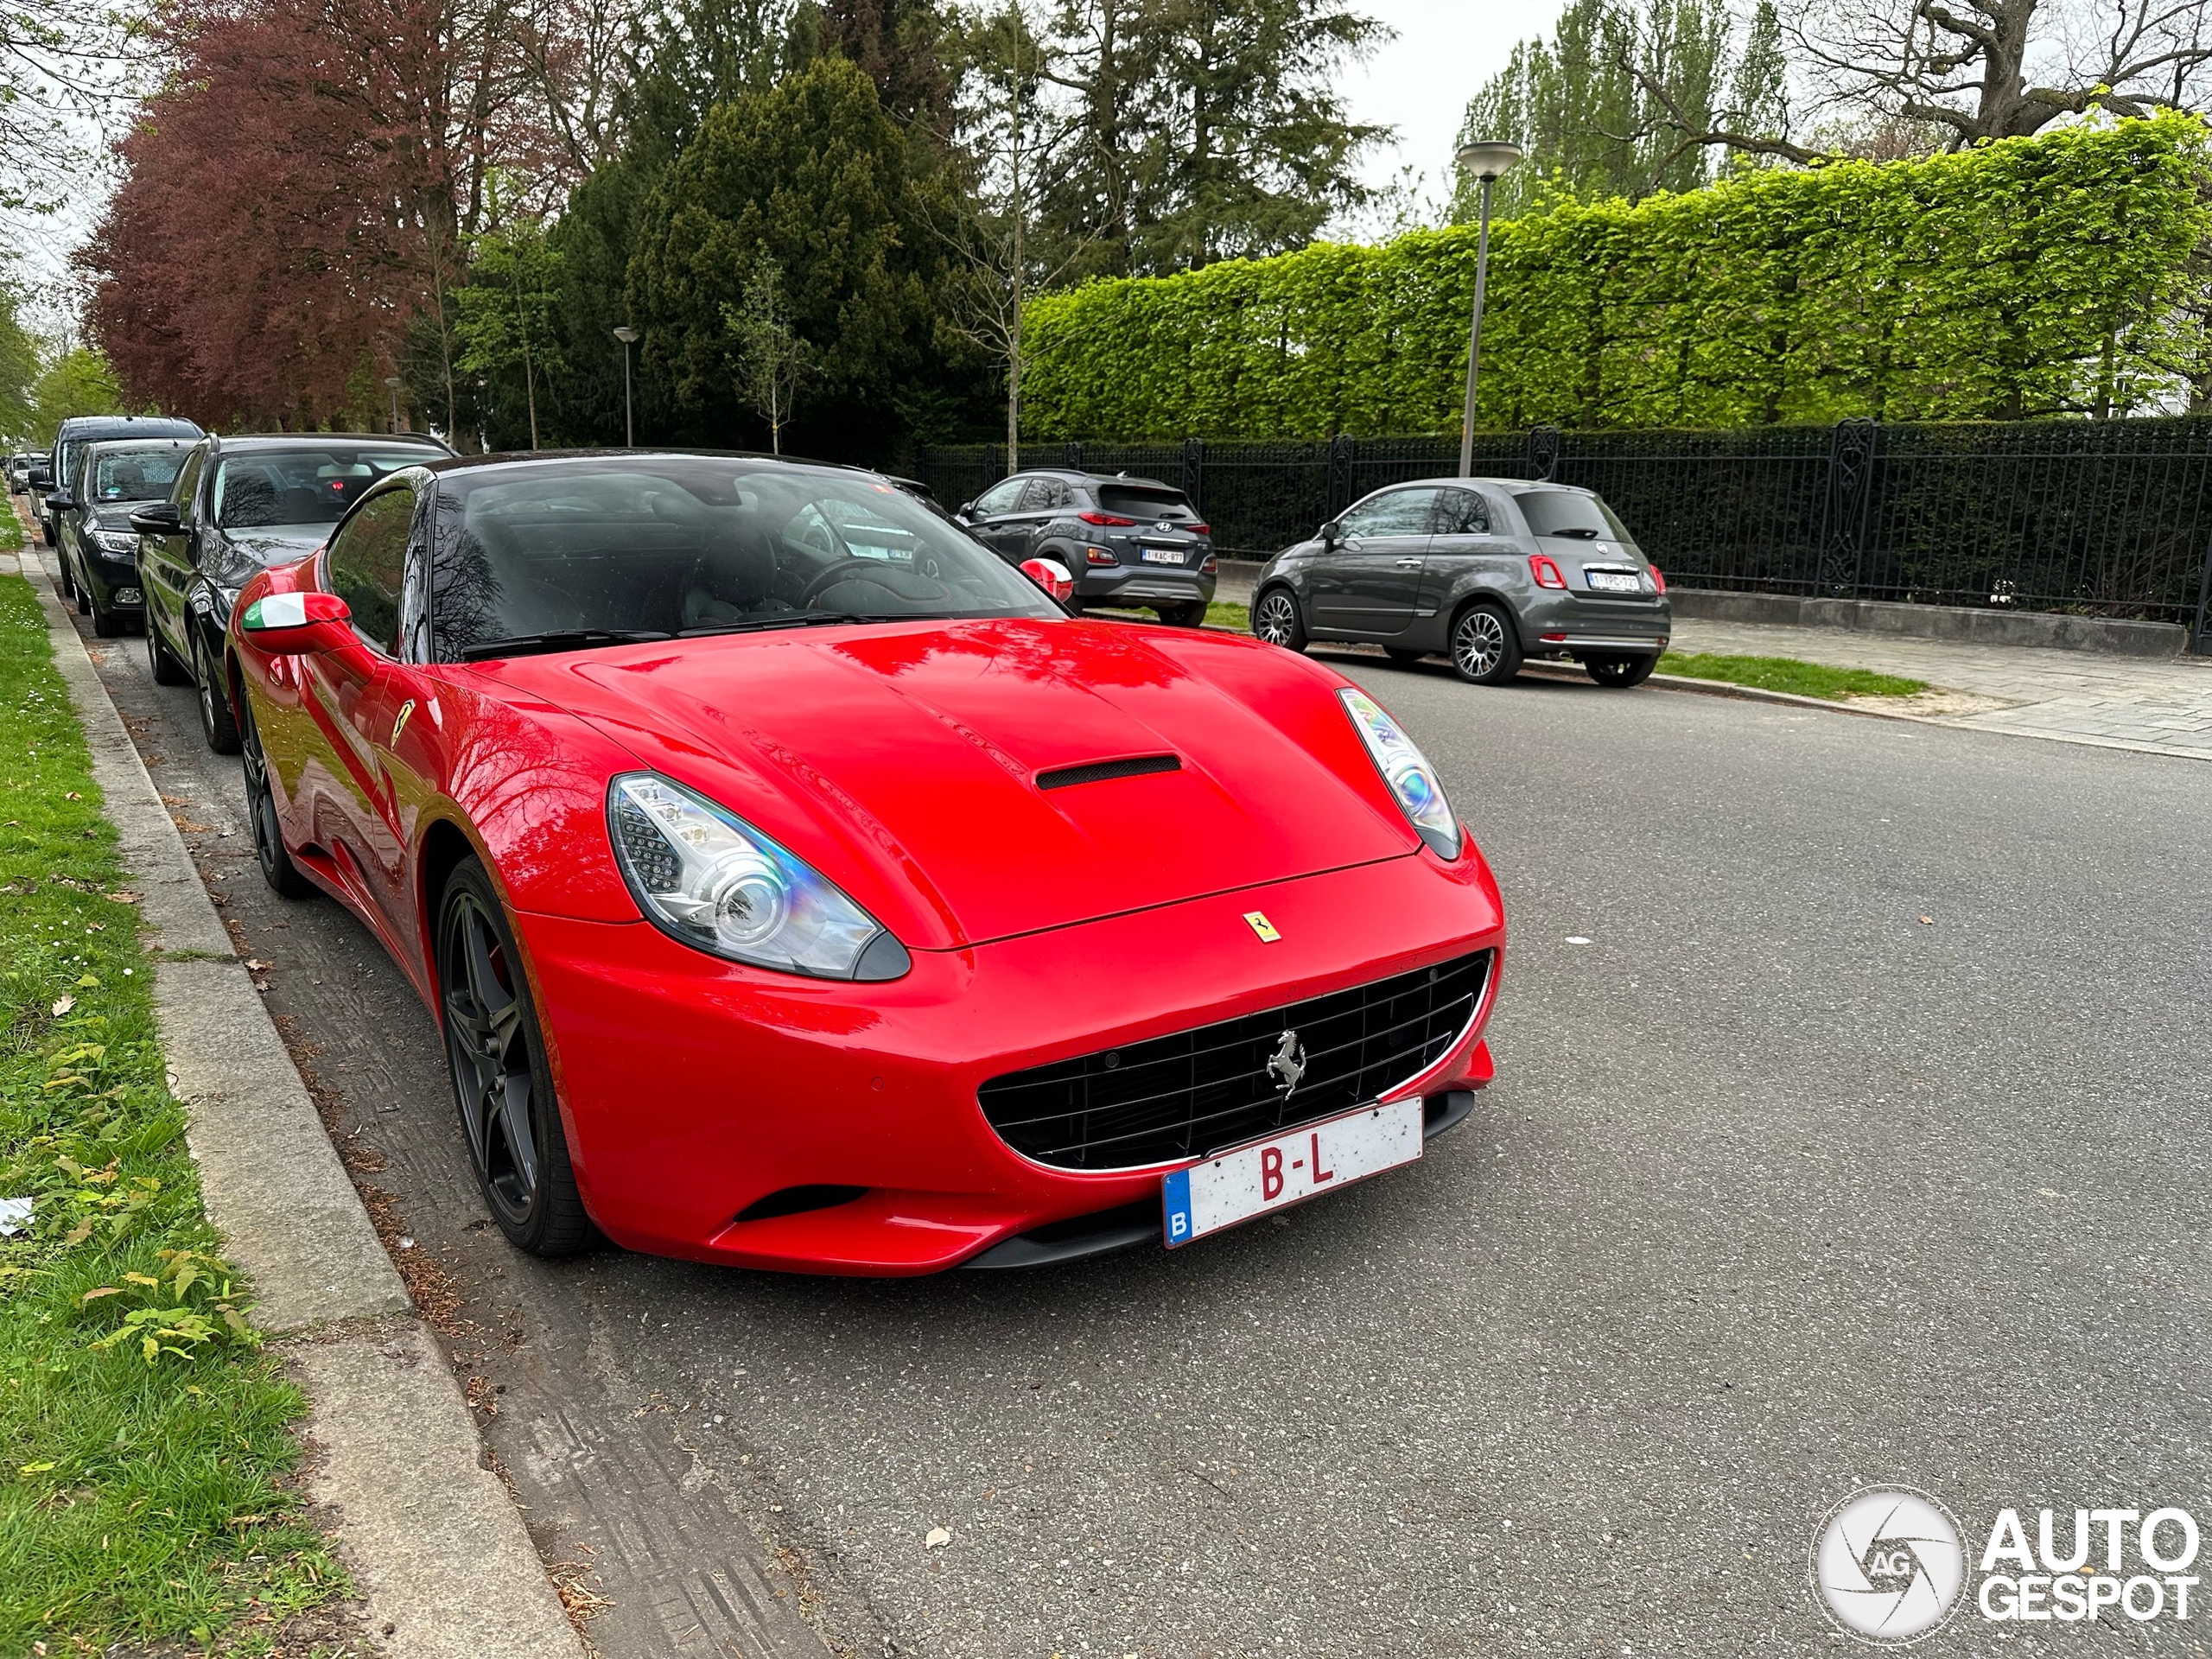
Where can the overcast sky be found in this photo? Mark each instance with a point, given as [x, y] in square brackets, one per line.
[1421, 82]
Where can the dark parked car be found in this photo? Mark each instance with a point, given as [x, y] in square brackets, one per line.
[239, 505]
[98, 548]
[61, 462]
[1129, 541]
[1491, 571]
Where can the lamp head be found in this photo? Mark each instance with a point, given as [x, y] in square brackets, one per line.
[627, 336]
[1488, 158]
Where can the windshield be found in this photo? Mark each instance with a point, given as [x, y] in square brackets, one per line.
[135, 474]
[300, 486]
[671, 545]
[1571, 512]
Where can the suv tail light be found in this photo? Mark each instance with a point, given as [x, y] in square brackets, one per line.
[1098, 555]
[1113, 519]
[1545, 571]
[1658, 581]
[1199, 529]
[1211, 564]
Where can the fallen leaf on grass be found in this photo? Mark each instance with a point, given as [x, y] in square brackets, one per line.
[126, 898]
[64, 1006]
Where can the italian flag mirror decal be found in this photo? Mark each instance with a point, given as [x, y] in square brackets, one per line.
[276, 611]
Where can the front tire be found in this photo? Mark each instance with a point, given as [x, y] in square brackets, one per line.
[105, 623]
[277, 867]
[1621, 673]
[217, 723]
[1485, 646]
[1276, 620]
[161, 661]
[1191, 614]
[501, 1079]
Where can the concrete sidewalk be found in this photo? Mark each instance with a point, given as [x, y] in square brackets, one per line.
[2161, 706]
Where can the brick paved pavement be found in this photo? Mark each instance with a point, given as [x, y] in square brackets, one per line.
[2071, 695]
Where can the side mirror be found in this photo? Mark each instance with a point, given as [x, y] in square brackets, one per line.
[964, 511]
[155, 518]
[59, 501]
[296, 625]
[41, 478]
[1052, 576]
[1331, 533]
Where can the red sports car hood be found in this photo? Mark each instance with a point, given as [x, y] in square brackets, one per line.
[903, 761]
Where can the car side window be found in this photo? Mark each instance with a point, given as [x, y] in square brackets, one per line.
[1394, 512]
[366, 561]
[186, 495]
[1460, 512]
[1000, 496]
[1044, 495]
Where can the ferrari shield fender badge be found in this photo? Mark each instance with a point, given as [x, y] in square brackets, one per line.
[1288, 1064]
[1258, 922]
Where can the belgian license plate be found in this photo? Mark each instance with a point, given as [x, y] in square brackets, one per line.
[1613, 581]
[1163, 555]
[1288, 1168]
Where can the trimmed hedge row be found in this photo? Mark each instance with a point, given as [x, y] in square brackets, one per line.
[2031, 276]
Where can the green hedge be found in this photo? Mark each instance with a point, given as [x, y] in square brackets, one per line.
[2032, 276]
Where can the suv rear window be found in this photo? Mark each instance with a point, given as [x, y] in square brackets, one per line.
[1136, 501]
[1570, 512]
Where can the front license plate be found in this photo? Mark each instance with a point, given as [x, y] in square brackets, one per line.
[1163, 555]
[1613, 581]
[1298, 1164]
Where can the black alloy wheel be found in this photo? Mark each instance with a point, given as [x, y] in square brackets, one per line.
[1485, 646]
[1621, 673]
[161, 661]
[217, 723]
[500, 1080]
[277, 867]
[1276, 620]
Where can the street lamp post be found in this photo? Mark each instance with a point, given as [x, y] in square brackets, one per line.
[629, 338]
[392, 383]
[1486, 160]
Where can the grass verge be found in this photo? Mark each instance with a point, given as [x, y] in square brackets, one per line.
[1787, 674]
[1219, 614]
[144, 1440]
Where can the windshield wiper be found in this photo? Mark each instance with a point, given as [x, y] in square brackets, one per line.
[523, 645]
[789, 619]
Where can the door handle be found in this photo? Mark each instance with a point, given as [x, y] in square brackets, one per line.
[1408, 563]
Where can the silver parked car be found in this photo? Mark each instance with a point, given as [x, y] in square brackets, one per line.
[1488, 570]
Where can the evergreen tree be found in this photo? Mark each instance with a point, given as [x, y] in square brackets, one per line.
[813, 175]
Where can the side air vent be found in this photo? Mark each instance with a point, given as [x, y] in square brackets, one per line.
[797, 1201]
[1097, 771]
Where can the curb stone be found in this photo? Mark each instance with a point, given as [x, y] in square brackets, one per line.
[438, 1550]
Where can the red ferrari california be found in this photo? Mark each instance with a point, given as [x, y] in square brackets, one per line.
[796, 885]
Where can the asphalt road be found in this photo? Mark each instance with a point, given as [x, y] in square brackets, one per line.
[1783, 1189]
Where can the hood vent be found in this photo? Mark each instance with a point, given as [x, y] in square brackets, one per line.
[1097, 771]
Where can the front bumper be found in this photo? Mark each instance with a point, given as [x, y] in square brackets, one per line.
[693, 1089]
[114, 576]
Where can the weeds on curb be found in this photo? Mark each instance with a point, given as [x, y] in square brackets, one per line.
[1788, 674]
[144, 1442]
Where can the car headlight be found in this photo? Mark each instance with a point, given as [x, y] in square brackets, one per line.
[116, 541]
[1411, 778]
[705, 877]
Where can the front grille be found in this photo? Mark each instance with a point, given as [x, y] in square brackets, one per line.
[1198, 1091]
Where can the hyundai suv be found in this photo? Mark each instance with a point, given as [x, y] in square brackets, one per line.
[1128, 541]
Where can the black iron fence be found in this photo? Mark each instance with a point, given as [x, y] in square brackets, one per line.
[2100, 517]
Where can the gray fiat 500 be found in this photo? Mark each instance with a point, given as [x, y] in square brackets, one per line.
[1489, 571]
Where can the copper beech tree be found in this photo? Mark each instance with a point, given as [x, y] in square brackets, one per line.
[302, 185]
